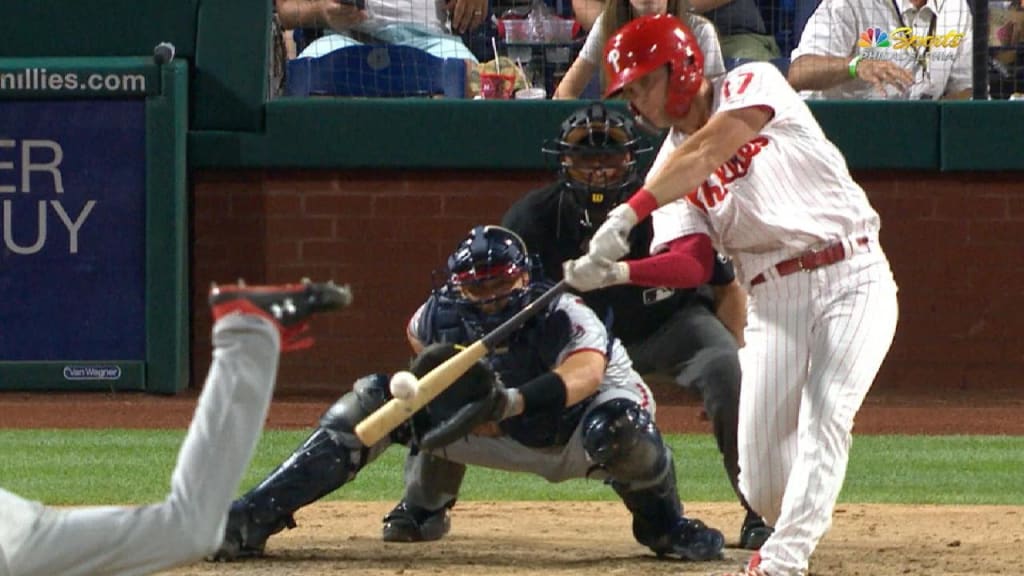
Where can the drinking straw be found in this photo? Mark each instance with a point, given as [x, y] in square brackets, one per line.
[497, 61]
[526, 78]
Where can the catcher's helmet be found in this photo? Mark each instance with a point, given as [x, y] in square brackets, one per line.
[597, 152]
[488, 275]
[648, 43]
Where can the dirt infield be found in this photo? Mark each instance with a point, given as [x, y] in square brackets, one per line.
[561, 539]
[554, 539]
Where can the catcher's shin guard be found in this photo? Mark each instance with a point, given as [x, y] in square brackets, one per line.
[328, 459]
[621, 437]
[658, 522]
[318, 467]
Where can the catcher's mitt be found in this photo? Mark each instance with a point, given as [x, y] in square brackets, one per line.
[476, 397]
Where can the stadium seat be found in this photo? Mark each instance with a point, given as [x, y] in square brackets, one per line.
[782, 63]
[377, 72]
[802, 13]
[779, 16]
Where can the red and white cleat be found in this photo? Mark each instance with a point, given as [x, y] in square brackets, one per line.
[288, 306]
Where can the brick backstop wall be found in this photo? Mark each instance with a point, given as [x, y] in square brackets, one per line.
[955, 241]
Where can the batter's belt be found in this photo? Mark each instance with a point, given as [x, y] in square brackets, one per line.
[812, 259]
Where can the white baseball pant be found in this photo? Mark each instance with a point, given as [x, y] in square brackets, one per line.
[814, 343]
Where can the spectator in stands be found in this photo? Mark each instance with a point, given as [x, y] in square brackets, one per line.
[892, 49]
[741, 28]
[587, 11]
[424, 24]
[615, 15]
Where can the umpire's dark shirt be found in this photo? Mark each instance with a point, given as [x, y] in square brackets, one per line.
[549, 223]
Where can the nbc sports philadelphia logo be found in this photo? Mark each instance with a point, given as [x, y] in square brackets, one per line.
[92, 372]
[903, 44]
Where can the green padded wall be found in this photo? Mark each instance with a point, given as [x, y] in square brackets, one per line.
[347, 133]
[43, 28]
[232, 59]
[983, 136]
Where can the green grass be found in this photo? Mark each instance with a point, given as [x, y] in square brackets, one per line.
[71, 467]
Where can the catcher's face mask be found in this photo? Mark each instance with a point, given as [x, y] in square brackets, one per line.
[489, 271]
[492, 295]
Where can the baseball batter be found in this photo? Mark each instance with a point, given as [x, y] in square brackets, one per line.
[747, 169]
[251, 324]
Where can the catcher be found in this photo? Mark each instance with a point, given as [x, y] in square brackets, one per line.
[561, 401]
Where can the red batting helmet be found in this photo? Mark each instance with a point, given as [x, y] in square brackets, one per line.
[646, 44]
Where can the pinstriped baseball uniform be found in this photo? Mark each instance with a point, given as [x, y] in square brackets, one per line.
[41, 541]
[815, 340]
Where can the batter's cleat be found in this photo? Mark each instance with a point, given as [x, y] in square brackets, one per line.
[691, 540]
[288, 306]
[410, 523]
[754, 532]
[753, 568]
[244, 537]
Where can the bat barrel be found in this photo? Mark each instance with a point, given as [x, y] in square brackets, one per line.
[376, 426]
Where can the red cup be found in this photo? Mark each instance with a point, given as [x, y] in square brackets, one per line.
[497, 86]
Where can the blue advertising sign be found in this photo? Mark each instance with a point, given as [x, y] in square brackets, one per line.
[72, 230]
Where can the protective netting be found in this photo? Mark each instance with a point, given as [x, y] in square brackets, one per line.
[831, 49]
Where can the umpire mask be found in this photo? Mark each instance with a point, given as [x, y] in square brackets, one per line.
[597, 153]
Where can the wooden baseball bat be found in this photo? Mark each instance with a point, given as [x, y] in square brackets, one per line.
[389, 416]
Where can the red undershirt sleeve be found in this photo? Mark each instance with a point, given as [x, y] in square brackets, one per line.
[687, 263]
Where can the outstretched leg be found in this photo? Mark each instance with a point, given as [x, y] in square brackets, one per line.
[225, 428]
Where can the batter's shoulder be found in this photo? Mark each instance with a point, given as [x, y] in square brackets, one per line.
[764, 69]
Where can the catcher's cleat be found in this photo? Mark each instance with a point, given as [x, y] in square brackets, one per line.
[409, 523]
[288, 306]
[754, 532]
[244, 537]
[691, 540]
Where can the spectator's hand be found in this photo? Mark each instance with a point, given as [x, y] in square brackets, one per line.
[882, 73]
[466, 14]
[340, 15]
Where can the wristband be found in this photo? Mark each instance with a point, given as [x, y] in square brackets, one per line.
[513, 404]
[854, 62]
[545, 393]
[642, 203]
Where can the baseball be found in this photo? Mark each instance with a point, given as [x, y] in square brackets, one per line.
[403, 385]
